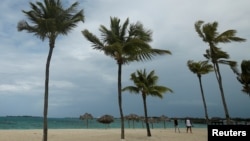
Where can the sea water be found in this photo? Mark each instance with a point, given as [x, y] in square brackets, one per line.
[26, 122]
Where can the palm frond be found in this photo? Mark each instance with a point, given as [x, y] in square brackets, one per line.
[139, 32]
[96, 43]
[198, 29]
[123, 30]
[228, 36]
[131, 89]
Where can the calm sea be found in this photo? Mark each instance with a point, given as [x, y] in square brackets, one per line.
[21, 122]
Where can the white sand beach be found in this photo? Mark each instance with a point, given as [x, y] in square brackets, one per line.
[199, 134]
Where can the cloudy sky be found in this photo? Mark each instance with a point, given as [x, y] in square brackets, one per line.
[85, 80]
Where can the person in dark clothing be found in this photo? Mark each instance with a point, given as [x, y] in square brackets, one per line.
[176, 125]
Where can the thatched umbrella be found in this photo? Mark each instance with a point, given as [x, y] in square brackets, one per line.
[142, 118]
[164, 119]
[152, 121]
[132, 117]
[86, 117]
[106, 119]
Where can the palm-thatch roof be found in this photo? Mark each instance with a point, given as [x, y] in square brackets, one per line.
[86, 117]
[133, 117]
[106, 119]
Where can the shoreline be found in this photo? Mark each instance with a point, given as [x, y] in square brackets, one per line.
[109, 134]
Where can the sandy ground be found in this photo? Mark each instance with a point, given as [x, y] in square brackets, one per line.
[199, 134]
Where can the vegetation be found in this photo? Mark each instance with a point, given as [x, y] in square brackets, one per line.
[200, 68]
[124, 43]
[146, 84]
[208, 33]
[244, 76]
[49, 20]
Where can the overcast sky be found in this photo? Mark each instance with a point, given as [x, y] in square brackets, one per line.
[85, 80]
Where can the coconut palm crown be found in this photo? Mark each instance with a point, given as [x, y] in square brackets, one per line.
[125, 43]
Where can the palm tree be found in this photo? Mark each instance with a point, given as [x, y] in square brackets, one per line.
[208, 33]
[244, 76]
[200, 68]
[48, 20]
[146, 84]
[125, 43]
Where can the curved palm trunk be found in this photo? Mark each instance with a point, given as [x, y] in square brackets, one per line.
[46, 94]
[203, 99]
[146, 115]
[219, 79]
[120, 99]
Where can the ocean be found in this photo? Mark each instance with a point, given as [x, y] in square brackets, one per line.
[27, 122]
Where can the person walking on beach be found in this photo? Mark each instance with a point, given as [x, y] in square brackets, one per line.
[176, 125]
[189, 125]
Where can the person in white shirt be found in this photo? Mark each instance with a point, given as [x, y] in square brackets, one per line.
[189, 125]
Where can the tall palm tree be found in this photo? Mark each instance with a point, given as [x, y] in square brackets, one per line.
[48, 20]
[146, 84]
[125, 43]
[208, 33]
[244, 76]
[200, 68]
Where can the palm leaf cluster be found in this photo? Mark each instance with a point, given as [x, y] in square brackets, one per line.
[244, 76]
[146, 84]
[125, 43]
[200, 67]
[50, 19]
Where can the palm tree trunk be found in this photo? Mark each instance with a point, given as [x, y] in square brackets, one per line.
[46, 94]
[219, 79]
[120, 99]
[146, 115]
[203, 99]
